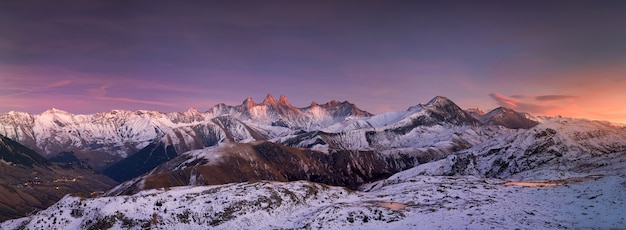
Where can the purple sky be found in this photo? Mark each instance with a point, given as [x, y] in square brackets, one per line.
[542, 57]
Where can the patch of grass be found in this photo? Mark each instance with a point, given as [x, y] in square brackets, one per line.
[106, 222]
[23, 225]
[184, 217]
[76, 213]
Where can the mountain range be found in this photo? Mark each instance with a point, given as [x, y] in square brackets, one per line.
[339, 165]
[103, 139]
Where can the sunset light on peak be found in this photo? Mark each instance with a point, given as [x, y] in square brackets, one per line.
[541, 57]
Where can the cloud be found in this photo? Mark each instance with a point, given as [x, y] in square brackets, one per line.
[146, 102]
[41, 88]
[554, 97]
[523, 106]
[99, 91]
[519, 96]
[57, 84]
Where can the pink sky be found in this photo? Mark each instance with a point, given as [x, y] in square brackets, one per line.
[541, 57]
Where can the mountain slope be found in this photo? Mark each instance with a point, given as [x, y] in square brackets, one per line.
[139, 163]
[403, 201]
[29, 182]
[12, 152]
[561, 145]
[237, 162]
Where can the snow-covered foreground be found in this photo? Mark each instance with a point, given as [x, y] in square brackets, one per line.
[405, 201]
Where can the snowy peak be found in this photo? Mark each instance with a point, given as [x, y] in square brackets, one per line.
[443, 109]
[439, 101]
[508, 118]
[443, 104]
[55, 111]
[283, 100]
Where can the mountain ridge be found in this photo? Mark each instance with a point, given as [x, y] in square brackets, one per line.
[103, 138]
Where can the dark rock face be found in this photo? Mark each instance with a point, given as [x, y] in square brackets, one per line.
[143, 161]
[16, 153]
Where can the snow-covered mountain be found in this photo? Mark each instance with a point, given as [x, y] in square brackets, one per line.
[100, 138]
[270, 165]
[366, 148]
[358, 151]
[562, 145]
[505, 117]
[591, 198]
[125, 144]
[105, 138]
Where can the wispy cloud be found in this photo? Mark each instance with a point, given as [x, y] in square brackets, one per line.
[521, 105]
[145, 102]
[99, 91]
[519, 96]
[40, 88]
[554, 97]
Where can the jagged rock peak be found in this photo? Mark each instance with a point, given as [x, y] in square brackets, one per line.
[333, 103]
[314, 104]
[476, 111]
[269, 99]
[248, 103]
[283, 99]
